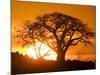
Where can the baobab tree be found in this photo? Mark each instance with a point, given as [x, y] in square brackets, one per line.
[58, 31]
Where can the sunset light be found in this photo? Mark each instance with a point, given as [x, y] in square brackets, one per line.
[51, 37]
[45, 52]
[31, 52]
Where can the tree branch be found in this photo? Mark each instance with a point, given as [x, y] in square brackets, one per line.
[78, 37]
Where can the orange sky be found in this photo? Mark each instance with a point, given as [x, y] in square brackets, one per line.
[29, 10]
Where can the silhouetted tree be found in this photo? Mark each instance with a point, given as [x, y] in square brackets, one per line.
[38, 47]
[56, 30]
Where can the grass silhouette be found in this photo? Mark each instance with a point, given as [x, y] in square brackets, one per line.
[25, 64]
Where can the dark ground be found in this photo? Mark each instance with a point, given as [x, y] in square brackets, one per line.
[24, 64]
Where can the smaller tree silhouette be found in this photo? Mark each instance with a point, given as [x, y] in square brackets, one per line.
[58, 31]
[38, 47]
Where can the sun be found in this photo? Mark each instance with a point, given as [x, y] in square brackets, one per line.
[31, 52]
[45, 52]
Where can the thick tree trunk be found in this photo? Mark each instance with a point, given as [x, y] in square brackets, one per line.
[61, 53]
[61, 57]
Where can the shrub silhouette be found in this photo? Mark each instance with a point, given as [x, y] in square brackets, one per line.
[24, 64]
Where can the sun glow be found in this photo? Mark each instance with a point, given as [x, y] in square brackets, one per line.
[44, 51]
[31, 52]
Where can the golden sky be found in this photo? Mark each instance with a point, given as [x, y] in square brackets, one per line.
[29, 10]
